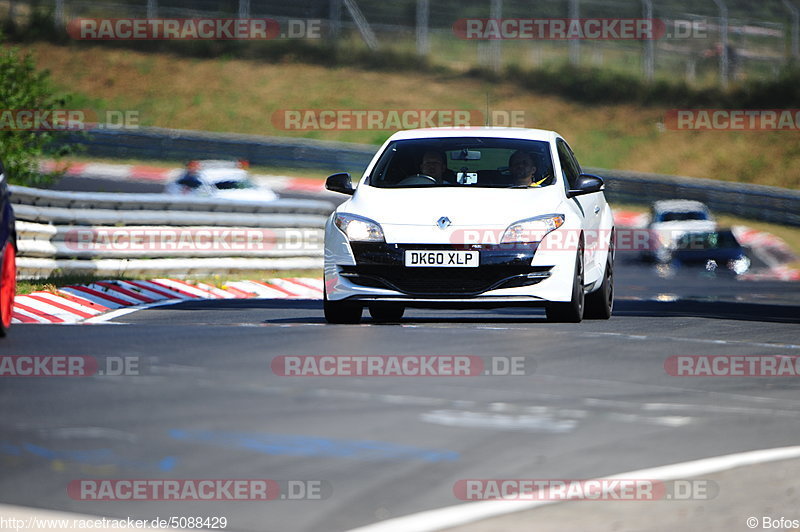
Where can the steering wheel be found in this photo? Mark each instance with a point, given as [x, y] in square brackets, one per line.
[418, 179]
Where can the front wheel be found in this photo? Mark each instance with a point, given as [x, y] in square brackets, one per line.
[572, 311]
[600, 304]
[341, 311]
[8, 286]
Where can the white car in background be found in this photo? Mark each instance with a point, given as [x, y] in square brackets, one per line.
[219, 179]
[471, 235]
[670, 220]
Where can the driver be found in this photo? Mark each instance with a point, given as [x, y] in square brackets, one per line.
[523, 169]
[434, 164]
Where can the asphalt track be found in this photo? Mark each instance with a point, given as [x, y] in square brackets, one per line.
[596, 401]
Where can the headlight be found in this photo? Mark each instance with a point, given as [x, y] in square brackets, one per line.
[740, 265]
[532, 229]
[358, 228]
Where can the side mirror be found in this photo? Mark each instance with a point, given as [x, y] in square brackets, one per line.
[340, 183]
[586, 184]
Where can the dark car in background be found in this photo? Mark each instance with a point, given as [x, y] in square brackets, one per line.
[8, 258]
[713, 250]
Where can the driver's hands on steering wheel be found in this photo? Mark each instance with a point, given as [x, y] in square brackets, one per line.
[418, 179]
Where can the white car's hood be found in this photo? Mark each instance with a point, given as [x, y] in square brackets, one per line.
[411, 214]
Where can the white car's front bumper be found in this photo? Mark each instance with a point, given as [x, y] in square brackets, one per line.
[506, 276]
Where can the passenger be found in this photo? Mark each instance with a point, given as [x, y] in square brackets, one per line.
[523, 169]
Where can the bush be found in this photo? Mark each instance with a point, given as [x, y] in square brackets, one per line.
[23, 87]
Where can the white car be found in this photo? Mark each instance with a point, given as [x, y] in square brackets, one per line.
[219, 179]
[488, 229]
[670, 220]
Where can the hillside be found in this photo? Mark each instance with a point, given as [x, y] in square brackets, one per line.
[242, 96]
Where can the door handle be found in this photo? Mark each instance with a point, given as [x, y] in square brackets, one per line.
[597, 209]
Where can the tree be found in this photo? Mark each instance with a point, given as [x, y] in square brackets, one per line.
[24, 88]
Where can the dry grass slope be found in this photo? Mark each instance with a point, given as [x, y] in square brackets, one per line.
[241, 96]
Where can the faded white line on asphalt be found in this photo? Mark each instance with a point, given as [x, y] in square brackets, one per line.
[696, 340]
[451, 516]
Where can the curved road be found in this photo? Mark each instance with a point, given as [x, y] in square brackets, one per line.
[597, 401]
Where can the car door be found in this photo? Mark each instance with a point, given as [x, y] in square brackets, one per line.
[589, 206]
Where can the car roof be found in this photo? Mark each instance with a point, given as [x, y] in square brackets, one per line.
[205, 164]
[679, 205]
[457, 132]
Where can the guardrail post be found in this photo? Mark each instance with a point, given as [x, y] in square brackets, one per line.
[335, 18]
[574, 44]
[724, 65]
[649, 44]
[58, 15]
[795, 28]
[423, 16]
[495, 51]
[244, 9]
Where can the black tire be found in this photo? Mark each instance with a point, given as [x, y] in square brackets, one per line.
[600, 303]
[386, 312]
[572, 311]
[341, 311]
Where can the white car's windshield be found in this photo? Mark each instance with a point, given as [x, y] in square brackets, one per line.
[474, 162]
[682, 216]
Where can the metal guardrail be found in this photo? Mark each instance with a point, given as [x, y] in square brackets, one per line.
[158, 234]
[757, 202]
[183, 145]
[770, 204]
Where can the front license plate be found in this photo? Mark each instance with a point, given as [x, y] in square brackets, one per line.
[442, 259]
